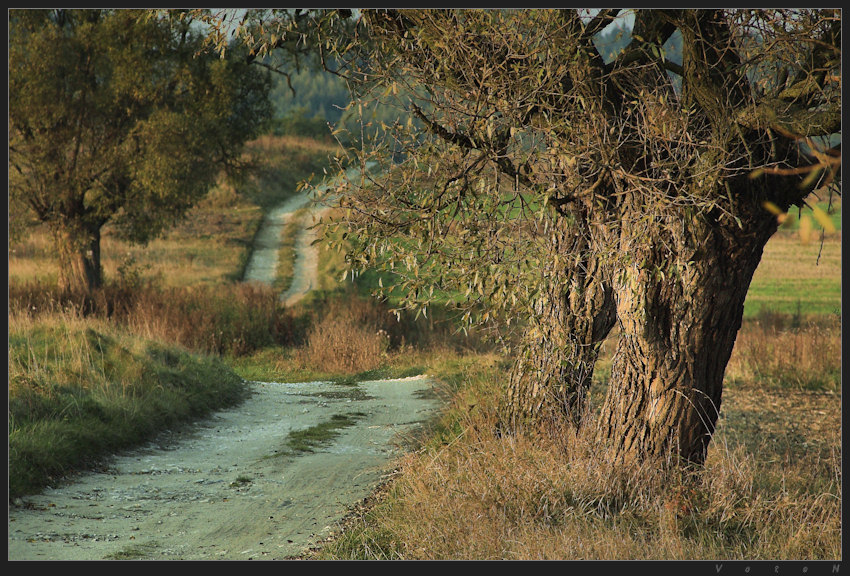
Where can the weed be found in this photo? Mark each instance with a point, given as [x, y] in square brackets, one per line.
[241, 481]
[322, 434]
[133, 552]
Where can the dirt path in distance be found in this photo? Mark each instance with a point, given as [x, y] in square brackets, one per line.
[262, 265]
[263, 262]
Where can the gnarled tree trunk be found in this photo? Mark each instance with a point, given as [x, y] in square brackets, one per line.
[78, 250]
[680, 305]
[554, 366]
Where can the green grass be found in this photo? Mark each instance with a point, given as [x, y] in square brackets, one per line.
[133, 552]
[240, 481]
[322, 434]
[833, 212]
[80, 389]
[794, 277]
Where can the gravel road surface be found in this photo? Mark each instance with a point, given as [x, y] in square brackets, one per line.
[230, 487]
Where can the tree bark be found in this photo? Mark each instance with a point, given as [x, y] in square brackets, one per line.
[554, 366]
[78, 250]
[678, 327]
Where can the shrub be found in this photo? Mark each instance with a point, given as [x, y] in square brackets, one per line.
[348, 338]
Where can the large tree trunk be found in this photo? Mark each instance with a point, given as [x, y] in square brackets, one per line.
[678, 328]
[78, 250]
[554, 366]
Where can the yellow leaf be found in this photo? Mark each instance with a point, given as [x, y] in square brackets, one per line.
[823, 219]
[805, 229]
[771, 207]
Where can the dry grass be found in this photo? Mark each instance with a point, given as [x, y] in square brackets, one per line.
[771, 488]
[348, 336]
[208, 247]
[212, 243]
[286, 255]
[183, 287]
[779, 350]
[476, 495]
[234, 319]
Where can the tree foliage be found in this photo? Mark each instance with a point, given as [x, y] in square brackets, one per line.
[535, 178]
[118, 116]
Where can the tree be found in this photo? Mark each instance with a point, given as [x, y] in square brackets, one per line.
[119, 116]
[548, 186]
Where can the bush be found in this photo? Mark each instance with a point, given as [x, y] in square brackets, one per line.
[349, 337]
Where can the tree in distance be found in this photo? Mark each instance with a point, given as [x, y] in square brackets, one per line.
[539, 184]
[120, 116]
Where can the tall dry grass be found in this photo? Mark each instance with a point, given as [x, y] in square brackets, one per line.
[788, 350]
[348, 336]
[484, 497]
[770, 489]
[226, 319]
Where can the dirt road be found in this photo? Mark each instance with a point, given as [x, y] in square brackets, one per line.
[263, 262]
[230, 487]
[262, 265]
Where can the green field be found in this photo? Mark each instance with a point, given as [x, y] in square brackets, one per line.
[797, 278]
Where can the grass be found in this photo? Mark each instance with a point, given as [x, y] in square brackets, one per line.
[211, 245]
[286, 253]
[133, 552]
[80, 389]
[771, 488]
[322, 434]
[794, 275]
[241, 481]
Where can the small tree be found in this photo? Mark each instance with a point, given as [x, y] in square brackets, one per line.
[544, 184]
[118, 116]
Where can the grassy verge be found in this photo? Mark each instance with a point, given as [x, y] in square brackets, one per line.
[80, 389]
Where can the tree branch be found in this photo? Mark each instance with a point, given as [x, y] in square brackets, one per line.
[464, 141]
[600, 21]
[458, 139]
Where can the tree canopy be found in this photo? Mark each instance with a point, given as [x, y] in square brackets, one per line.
[119, 116]
[550, 183]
